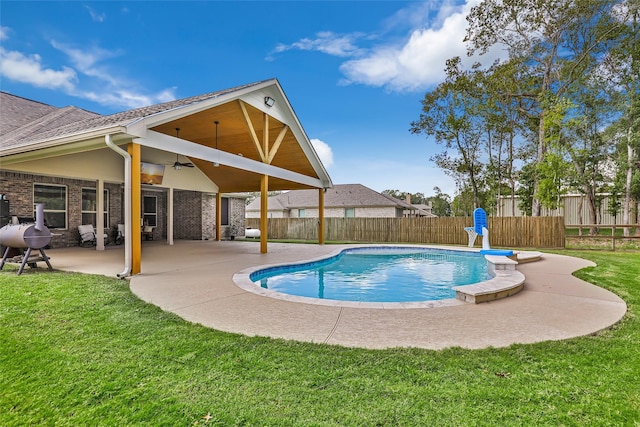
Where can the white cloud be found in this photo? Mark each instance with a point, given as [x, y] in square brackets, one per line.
[411, 64]
[29, 69]
[418, 62]
[127, 99]
[342, 45]
[97, 17]
[324, 151]
[86, 61]
[4, 32]
[118, 92]
[87, 76]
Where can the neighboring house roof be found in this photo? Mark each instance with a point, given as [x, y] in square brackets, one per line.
[425, 210]
[341, 195]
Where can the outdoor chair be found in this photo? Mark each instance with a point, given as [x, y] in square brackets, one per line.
[119, 234]
[147, 232]
[88, 235]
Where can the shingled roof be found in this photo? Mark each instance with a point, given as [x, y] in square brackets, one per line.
[341, 195]
[40, 122]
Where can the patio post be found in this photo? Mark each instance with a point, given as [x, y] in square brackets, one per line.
[218, 215]
[264, 212]
[100, 215]
[170, 218]
[136, 213]
[321, 216]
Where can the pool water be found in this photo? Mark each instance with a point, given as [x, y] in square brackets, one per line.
[378, 275]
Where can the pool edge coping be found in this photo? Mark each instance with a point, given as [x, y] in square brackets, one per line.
[504, 279]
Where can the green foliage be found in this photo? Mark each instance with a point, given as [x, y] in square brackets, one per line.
[440, 203]
[551, 176]
[449, 116]
[554, 80]
[83, 350]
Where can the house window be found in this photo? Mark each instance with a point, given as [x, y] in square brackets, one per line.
[349, 212]
[301, 213]
[90, 206]
[54, 199]
[224, 209]
[150, 211]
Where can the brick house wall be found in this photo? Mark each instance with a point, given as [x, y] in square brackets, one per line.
[18, 188]
[194, 212]
[187, 215]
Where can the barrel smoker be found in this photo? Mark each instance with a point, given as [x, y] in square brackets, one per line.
[27, 236]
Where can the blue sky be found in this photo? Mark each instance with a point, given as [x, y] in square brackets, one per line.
[354, 72]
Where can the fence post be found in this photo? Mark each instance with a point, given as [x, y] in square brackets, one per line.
[613, 237]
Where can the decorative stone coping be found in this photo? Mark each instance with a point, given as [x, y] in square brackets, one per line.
[507, 280]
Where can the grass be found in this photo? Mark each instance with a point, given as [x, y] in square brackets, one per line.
[82, 350]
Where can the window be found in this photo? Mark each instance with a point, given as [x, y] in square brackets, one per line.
[349, 212]
[90, 206]
[54, 199]
[150, 210]
[301, 213]
[224, 209]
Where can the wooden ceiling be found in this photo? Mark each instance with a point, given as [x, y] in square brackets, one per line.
[235, 120]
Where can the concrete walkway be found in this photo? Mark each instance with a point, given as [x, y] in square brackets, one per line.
[194, 280]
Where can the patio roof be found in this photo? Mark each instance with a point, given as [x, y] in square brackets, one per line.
[253, 139]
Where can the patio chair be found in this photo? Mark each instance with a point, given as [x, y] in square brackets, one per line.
[119, 234]
[147, 232]
[88, 235]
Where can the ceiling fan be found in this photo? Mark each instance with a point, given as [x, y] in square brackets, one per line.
[177, 165]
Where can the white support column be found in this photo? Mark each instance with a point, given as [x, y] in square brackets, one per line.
[100, 215]
[170, 216]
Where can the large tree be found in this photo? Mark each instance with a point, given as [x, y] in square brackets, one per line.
[622, 69]
[555, 42]
[449, 114]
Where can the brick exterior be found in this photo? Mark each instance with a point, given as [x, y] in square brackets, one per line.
[194, 212]
[18, 188]
[187, 215]
[208, 216]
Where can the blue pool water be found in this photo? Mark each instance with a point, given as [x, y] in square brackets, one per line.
[387, 274]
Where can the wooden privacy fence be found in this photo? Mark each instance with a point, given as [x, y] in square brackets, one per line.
[520, 232]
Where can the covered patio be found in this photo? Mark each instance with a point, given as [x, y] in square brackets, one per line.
[193, 279]
[243, 139]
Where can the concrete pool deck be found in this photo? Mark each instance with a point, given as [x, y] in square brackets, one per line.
[193, 279]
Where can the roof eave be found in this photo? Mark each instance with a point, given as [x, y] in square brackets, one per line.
[81, 141]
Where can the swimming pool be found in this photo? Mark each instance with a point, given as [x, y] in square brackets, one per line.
[377, 274]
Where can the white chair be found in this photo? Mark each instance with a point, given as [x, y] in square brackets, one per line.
[88, 235]
[120, 234]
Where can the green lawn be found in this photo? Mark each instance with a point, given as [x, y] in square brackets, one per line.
[82, 350]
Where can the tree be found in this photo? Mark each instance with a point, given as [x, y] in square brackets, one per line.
[553, 43]
[448, 114]
[505, 120]
[622, 66]
[440, 203]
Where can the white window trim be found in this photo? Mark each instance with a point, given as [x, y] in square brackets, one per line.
[145, 213]
[105, 204]
[66, 202]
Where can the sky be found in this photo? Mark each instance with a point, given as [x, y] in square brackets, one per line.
[355, 72]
